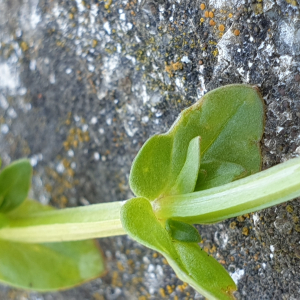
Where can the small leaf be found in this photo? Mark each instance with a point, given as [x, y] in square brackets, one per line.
[186, 180]
[229, 121]
[14, 184]
[48, 266]
[189, 261]
[182, 232]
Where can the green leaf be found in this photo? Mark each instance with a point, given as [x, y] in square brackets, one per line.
[14, 184]
[48, 266]
[229, 121]
[189, 261]
[4, 220]
[45, 267]
[186, 180]
[182, 232]
[220, 173]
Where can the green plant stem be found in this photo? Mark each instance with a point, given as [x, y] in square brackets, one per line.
[70, 224]
[261, 190]
[270, 187]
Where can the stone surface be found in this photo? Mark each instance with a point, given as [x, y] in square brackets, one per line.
[84, 83]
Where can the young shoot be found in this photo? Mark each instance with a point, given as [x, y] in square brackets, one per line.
[203, 170]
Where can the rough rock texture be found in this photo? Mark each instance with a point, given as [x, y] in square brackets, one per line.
[84, 83]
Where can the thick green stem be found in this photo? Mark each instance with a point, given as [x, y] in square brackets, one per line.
[70, 224]
[273, 186]
[267, 188]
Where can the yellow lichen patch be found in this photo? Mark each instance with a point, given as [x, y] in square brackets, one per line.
[24, 46]
[295, 219]
[116, 280]
[202, 20]
[258, 8]
[97, 296]
[120, 266]
[215, 52]
[62, 183]
[292, 2]
[289, 208]
[202, 6]
[108, 4]
[232, 225]
[94, 43]
[230, 15]
[76, 136]
[165, 261]
[241, 218]
[172, 67]
[213, 249]
[245, 231]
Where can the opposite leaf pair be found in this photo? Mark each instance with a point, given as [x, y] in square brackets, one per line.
[212, 143]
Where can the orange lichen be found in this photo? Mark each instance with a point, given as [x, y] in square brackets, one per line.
[212, 23]
[236, 32]
[172, 67]
[202, 6]
[162, 292]
[206, 14]
[221, 27]
[169, 289]
[211, 14]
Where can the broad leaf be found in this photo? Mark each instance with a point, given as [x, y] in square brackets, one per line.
[229, 121]
[189, 261]
[14, 184]
[48, 266]
[45, 267]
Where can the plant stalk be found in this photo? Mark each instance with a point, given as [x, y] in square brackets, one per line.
[267, 188]
[69, 224]
[261, 190]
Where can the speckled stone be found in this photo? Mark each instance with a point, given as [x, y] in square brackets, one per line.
[83, 84]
